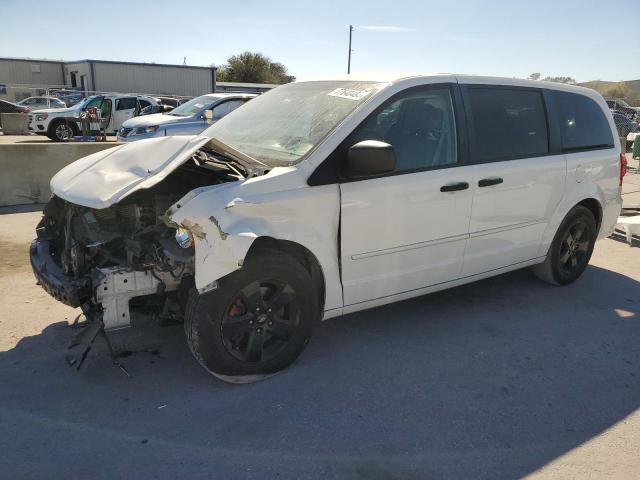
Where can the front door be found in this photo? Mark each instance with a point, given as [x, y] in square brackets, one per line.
[407, 230]
[518, 183]
[125, 109]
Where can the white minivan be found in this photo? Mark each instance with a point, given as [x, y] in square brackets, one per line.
[322, 198]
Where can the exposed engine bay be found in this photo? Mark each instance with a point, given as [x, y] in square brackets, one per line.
[100, 259]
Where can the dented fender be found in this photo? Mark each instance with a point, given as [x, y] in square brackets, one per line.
[226, 219]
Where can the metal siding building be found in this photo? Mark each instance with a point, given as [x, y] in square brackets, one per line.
[103, 76]
[19, 75]
[152, 78]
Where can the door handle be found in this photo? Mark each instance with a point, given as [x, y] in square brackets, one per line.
[487, 182]
[454, 186]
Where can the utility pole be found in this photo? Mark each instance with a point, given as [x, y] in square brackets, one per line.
[349, 61]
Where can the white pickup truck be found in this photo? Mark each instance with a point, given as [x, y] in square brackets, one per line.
[54, 123]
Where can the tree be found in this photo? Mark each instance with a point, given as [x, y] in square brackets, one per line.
[534, 76]
[251, 67]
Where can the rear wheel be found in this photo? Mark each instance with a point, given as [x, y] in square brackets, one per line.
[258, 320]
[571, 249]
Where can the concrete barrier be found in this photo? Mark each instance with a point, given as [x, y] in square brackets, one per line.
[14, 123]
[27, 168]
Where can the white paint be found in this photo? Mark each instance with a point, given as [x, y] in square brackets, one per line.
[401, 232]
[509, 219]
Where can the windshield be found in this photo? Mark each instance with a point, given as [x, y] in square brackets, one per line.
[192, 107]
[279, 127]
[85, 102]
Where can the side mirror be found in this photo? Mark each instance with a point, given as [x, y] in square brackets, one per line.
[208, 115]
[368, 158]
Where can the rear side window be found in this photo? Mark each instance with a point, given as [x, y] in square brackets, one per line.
[508, 123]
[126, 103]
[583, 124]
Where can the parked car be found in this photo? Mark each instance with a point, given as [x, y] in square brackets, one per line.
[186, 119]
[156, 109]
[625, 126]
[9, 107]
[172, 101]
[115, 109]
[38, 103]
[319, 199]
[68, 96]
[621, 106]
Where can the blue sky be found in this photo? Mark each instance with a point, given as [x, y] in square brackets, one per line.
[584, 39]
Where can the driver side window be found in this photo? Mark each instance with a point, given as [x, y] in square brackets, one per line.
[419, 125]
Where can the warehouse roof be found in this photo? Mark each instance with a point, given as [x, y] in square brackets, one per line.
[27, 59]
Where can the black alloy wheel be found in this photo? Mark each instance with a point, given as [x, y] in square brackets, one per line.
[257, 321]
[571, 248]
[574, 248]
[260, 321]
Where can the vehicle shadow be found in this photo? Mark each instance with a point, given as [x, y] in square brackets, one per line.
[489, 380]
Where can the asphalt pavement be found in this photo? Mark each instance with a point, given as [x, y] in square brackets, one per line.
[503, 378]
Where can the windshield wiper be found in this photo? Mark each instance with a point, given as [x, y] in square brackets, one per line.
[234, 154]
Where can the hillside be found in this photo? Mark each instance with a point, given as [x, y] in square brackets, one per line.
[631, 89]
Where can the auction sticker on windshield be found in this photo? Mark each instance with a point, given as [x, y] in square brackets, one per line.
[349, 93]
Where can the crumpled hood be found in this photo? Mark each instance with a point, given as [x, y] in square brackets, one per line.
[104, 178]
[151, 120]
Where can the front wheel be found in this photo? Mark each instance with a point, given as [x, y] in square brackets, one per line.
[571, 248]
[258, 320]
[61, 131]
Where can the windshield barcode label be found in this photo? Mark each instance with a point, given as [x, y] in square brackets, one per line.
[350, 93]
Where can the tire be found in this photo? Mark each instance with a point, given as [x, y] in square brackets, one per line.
[56, 128]
[570, 250]
[258, 320]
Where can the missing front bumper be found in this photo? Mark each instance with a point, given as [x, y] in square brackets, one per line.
[119, 286]
[64, 288]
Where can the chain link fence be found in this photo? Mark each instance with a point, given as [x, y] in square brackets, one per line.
[69, 95]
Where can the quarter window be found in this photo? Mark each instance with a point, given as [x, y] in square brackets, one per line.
[508, 123]
[420, 126]
[583, 124]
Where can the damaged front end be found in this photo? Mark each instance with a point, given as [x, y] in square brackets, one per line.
[111, 261]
